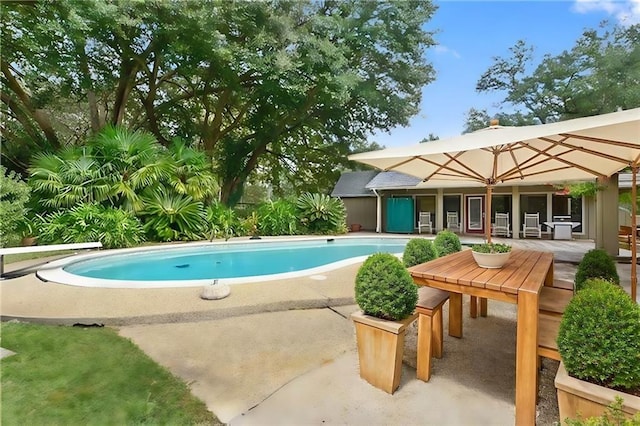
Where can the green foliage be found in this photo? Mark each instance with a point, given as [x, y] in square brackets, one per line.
[278, 218]
[114, 228]
[491, 248]
[418, 250]
[322, 214]
[171, 217]
[599, 336]
[596, 263]
[447, 242]
[73, 376]
[14, 194]
[223, 221]
[591, 78]
[581, 189]
[384, 288]
[287, 87]
[613, 416]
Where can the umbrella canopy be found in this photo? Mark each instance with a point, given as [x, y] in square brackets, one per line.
[573, 150]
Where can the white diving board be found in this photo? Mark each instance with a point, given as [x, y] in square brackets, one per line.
[40, 249]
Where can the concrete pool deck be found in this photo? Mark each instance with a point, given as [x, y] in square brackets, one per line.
[283, 352]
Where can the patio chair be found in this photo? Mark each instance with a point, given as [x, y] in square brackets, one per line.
[424, 221]
[501, 225]
[531, 226]
[452, 222]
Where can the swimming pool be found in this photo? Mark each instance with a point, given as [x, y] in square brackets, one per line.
[229, 262]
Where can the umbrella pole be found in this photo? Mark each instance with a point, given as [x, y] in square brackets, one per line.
[487, 214]
[634, 277]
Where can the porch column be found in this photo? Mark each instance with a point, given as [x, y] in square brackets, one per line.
[515, 212]
[378, 212]
[439, 209]
[607, 215]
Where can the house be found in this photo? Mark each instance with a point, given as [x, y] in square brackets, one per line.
[392, 202]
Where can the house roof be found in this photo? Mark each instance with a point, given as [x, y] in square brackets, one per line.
[390, 180]
[624, 180]
[353, 184]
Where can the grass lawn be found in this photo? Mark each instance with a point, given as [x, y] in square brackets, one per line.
[91, 376]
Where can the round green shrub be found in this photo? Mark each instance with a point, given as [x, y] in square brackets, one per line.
[384, 288]
[446, 242]
[596, 263]
[417, 251]
[599, 336]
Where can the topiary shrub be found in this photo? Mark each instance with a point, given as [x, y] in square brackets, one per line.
[596, 263]
[447, 242]
[384, 288]
[599, 336]
[418, 250]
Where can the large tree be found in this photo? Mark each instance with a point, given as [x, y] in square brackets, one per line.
[289, 86]
[600, 74]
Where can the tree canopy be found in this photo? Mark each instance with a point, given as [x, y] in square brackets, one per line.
[600, 74]
[288, 87]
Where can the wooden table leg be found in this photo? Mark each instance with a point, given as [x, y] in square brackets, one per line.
[455, 314]
[483, 306]
[526, 358]
[473, 306]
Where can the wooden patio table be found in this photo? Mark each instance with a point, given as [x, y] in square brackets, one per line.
[519, 281]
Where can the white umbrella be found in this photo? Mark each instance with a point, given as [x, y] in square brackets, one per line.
[572, 150]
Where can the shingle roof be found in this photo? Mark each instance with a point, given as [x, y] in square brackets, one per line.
[389, 180]
[353, 184]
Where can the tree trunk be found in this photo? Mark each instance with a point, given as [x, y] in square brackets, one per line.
[38, 115]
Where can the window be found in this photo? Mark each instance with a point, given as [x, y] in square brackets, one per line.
[563, 205]
[535, 203]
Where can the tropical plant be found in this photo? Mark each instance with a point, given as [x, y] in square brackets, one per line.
[250, 224]
[596, 263]
[384, 288]
[322, 214]
[67, 178]
[190, 172]
[14, 194]
[418, 250]
[114, 228]
[133, 162]
[491, 248]
[222, 221]
[447, 242]
[170, 217]
[277, 218]
[599, 336]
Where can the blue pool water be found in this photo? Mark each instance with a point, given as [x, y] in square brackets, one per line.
[220, 261]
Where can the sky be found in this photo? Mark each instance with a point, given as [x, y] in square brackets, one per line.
[471, 33]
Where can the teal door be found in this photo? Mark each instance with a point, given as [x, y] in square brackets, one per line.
[400, 215]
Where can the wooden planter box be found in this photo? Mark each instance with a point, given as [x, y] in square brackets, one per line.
[380, 349]
[577, 397]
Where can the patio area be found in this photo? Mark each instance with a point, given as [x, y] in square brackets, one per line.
[283, 352]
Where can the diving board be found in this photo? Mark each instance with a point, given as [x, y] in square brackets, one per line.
[40, 249]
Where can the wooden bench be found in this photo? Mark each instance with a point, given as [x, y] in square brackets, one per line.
[548, 326]
[430, 329]
[624, 236]
[41, 249]
[554, 300]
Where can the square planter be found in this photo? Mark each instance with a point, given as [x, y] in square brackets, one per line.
[577, 397]
[380, 349]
